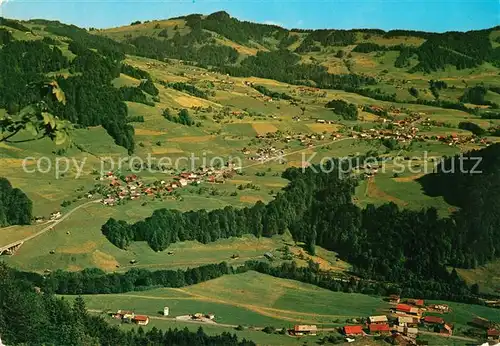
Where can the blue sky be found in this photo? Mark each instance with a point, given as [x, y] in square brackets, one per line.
[428, 15]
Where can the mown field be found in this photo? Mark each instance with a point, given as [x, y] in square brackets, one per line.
[255, 300]
[251, 300]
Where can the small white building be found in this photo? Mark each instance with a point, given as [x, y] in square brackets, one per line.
[165, 311]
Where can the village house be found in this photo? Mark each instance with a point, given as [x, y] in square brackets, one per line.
[353, 330]
[55, 215]
[124, 315]
[408, 321]
[442, 308]
[407, 309]
[377, 319]
[493, 335]
[408, 331]
[382, 328]
[141, 320]
[305, 329]
[433, 320]
[394, 298]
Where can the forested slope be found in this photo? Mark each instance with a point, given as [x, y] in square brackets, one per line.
[31, 318]
[15, 207]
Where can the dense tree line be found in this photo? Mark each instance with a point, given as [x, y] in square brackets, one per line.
[405, 54]
[95, 281]
[435, 86]
[369, 47]
[453, 290]
[285, 66]
[15, 207]
[134, 94]
[476, 95]
[134, 72]
[326, 38]
[182, 117]
[317, 208]
[149, 87]
[287, 41]
[490, 115]
[23, 65]
[14, 24]
[104, 45]
[235, 30]
[31, 318]
[187, 88]
[5, 36]
[186, 47]
[91, 100]
[473, 189]
[472, 127]
[459, 49]
[346, 110]
[273, 94]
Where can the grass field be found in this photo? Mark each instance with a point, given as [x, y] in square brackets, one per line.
[251, 299]
[487, 277]
[256, 300]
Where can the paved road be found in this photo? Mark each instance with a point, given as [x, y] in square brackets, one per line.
[52, 225]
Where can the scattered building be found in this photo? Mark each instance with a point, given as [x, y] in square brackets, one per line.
[305, 329]
[493, 335]
[55, 215]
[408, 320]
[377, 319]
[408, 309]
[141, 320]
[382, 328]
[394, 298]
[442, 308]
[165, 311]
[353, 330]
[416, 302]
[433, 320]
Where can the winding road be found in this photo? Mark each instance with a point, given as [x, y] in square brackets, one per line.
[51, 225]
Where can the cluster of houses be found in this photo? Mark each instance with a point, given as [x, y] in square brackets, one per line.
[132, 187]
[265, 154]
[403, 323]
[127, 316]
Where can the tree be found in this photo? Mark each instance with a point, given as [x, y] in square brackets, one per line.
[36, 120]
[413, 92]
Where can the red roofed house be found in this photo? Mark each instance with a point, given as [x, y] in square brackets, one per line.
[353, 330]
[403, 308]
[493, 334]
[141, 320]
[416, 302]
[379, 329]
[433, 320]
[408, 309]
